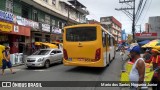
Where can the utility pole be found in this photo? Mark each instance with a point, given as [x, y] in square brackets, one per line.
[133, 24]
[126, 10]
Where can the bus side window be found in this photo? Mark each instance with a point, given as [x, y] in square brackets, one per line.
[104, 39]
[111, 41]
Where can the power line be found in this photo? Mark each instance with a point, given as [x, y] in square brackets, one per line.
[139, 7]
[146, 12]
[130, 15]
[141, 11]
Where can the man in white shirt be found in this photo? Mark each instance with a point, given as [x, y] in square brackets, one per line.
[137, 73]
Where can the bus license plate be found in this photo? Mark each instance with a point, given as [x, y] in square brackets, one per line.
[70, 59]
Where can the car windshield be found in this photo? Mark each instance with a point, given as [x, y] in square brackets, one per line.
[42, 52]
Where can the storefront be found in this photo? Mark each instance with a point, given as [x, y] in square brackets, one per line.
[18, 38]
[14, 36]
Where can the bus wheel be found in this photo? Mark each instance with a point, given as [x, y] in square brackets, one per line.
[114, 55]
[109, 58]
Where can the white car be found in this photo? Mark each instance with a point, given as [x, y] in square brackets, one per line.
[44, 57]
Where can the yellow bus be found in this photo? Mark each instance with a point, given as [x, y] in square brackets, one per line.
[88, 45]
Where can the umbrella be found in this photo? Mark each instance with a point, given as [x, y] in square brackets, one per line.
[144, 42]
[157, 46]
[152, 43]
[50, 45]
[38, 43]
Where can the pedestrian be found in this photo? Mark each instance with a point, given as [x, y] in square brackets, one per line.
[147, 55]
[155, 61]
[137, 73]
[124, 57]
[6, 60]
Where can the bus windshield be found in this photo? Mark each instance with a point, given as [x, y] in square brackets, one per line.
[81, 34]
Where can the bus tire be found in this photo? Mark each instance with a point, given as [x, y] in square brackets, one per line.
[109, 58]
[114, 55]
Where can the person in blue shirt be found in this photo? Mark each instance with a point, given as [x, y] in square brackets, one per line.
[6, 60]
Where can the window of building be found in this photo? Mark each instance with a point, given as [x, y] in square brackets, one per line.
[53, 22]
[66, 8]
[115, 31]
[9, 6]
[53, 2]
[47, 38]
[25, 12]
[60, 24]
[17, 8]
[47, 19]
[35, 15]
[45, 1]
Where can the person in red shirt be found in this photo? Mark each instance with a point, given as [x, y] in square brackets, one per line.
[155, 60]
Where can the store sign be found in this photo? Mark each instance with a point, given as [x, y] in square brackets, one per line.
[25, 22]
[21, 30]
[56, 30]
[16, 28]
[46, 27]
[6, 27]
[6, 16]
[146, 35]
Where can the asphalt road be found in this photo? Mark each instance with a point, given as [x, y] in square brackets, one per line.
[58, 72]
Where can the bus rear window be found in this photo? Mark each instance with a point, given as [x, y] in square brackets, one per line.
[81, 34]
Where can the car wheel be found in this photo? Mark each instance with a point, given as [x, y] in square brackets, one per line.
[47, 64]
[61, 61]
[29, 67]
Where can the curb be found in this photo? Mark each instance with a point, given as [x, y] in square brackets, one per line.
[16, 65]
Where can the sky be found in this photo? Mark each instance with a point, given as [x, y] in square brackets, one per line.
[102, 8]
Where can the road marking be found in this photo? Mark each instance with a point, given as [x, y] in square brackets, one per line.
[40, 70]
[27, 70]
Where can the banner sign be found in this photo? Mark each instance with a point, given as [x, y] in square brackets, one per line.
[146, 35]
[46, 27]
[56, 30]
[6, 27]
[6, 16]
[25, 22]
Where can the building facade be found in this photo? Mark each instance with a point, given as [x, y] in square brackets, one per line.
[154, 25]
[147, 27]
[93, 22]
[29, 21]
[113, 26]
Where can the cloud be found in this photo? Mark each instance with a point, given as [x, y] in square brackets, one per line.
[102, 8]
